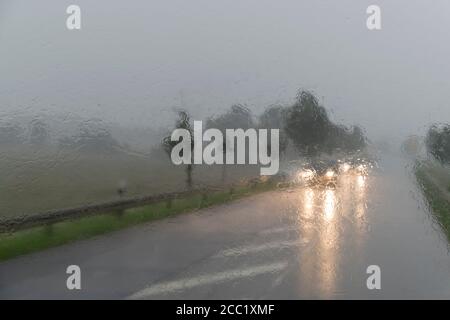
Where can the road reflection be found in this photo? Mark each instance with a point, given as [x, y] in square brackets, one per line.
[330, 219]
[329, 207]
[308, 202]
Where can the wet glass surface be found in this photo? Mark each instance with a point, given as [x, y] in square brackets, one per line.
[87, 116]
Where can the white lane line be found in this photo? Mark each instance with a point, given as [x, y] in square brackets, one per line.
[280, 230]
[189, 283]
[260, 247]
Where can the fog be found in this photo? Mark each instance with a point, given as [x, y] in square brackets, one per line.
[133, 63]
[157, 115]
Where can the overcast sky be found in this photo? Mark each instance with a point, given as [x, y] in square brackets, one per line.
[133, 61]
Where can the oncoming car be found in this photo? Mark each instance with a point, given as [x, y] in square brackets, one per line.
[327, 172]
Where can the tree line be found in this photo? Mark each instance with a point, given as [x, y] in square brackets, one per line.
[437, 142]
[305, 125]
[92, 136]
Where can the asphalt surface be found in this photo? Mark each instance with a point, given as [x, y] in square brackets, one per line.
[308, 242]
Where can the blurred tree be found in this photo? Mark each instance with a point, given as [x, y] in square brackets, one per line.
[93, 137]
[237, 117]
[437, 142]
[183, 122]
[358, 138]
[307, 124]
[348, 139]
[274, 117]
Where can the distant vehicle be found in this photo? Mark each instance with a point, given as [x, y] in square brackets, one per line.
[326, 172]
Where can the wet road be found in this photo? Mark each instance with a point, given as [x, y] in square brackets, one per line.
[310, 242]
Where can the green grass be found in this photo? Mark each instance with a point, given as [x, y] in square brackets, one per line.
[437, 201]
[39, 238]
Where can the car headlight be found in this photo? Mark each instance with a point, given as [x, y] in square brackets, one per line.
[306, 175]
[344, 167]
[329, 174]
[362, 169]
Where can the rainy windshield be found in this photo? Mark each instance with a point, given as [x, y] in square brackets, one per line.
[224, 150]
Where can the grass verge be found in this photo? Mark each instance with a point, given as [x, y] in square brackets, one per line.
[437, 201]
[40, 238]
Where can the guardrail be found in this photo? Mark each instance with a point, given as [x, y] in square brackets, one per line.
[54, 216]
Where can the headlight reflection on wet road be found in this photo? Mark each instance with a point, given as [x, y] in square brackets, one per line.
[308, 202]
[329, 206]
[324, 213]
[361, 180]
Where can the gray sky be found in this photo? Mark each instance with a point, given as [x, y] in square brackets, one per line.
[133, 61]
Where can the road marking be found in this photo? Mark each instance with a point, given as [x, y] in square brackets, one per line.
[280, 229]
[189, 283]
[261, 247]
